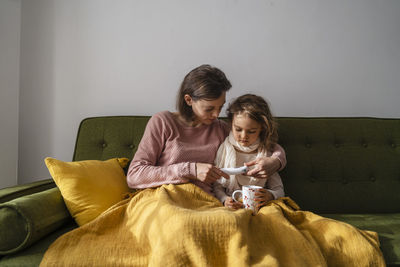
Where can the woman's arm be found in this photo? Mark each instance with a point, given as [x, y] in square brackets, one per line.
[264, 167]
[143, 171]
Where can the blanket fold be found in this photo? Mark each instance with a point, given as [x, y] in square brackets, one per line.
[181, 225]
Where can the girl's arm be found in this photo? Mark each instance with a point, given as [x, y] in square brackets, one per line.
[275, 186]
[273, 189]
[280, 154]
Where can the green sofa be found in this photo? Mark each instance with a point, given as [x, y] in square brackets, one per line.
[343, 168]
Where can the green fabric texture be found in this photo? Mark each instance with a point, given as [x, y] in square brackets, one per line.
[102, 138]
[10, 193]
[32, 256]
[387, 225]
[27, 219]
[342, 165]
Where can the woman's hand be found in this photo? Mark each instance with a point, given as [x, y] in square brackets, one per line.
[232, 204]
[263, 196]
[263, 167]
[208, 173]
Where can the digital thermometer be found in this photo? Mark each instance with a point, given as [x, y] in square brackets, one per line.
[234, 171]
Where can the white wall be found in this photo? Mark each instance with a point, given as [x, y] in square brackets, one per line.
[82, 58]
[10, 23]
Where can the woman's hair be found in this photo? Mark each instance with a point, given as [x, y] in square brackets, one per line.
[256, 108]
[202, 83]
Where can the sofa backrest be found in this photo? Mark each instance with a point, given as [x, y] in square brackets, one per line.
[347, 165]
[335, 165]
[107, 137]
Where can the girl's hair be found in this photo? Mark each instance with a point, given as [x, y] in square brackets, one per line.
[256, 108]
[202, 83]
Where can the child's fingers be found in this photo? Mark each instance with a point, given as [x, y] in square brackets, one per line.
[260, 204]
[237, 205]
[230, 203]
[261, 195]
[234, 206]
[260, 192]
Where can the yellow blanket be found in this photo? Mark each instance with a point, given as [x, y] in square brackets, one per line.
[180, 225]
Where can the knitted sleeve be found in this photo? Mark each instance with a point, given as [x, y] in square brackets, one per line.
[143, 171]
[275, 186]
[280, 154]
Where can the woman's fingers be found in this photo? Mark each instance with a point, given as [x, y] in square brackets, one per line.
[208, 173]
[258, 173]
[254, 171]
[257, 170]
[251, 163]
[263, 167]
[255, 165]
[214, 174]
[221, 173]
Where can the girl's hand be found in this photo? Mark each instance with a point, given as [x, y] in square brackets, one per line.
[232, 204]
[263, 167]
[208, 173]
[263, 196]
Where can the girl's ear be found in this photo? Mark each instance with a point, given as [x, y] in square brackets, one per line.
[188, 100]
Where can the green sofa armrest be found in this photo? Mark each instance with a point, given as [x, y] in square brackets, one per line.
[25, 220]
[10, 193]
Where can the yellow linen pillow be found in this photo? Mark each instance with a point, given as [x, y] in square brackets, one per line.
[89, 187]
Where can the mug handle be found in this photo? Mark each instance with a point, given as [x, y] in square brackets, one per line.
[234, 193]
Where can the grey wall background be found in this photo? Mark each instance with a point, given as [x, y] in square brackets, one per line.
[83, 58]
[10, 24]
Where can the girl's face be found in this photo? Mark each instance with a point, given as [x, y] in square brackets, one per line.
[245, 130]
[206, 111]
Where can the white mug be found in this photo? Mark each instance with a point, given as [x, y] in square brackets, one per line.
[248, 196]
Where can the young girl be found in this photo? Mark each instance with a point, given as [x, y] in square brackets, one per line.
[253, 135]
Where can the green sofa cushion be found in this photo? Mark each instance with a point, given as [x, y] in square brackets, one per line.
[10, 193]
[342, 165]
[27, 219]
[102, 138]
[32, 256]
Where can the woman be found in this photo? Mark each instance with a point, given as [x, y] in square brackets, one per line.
[180, 147]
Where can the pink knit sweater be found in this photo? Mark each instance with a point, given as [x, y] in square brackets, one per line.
[168, 152]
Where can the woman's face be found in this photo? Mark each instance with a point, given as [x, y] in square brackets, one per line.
[245, 130]
[206, 111]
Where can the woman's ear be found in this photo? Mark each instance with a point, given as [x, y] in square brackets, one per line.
[188, 100]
